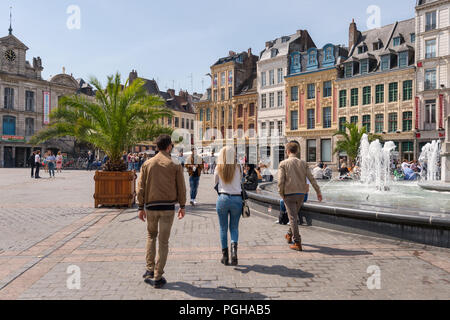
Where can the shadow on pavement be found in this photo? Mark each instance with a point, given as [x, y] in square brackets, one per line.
[219, 293]
[336, 252]
[275, 270]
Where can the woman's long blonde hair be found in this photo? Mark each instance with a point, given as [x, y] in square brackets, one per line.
[227, 164]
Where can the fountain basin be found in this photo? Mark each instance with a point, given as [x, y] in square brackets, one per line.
[436, 186]
[426, 226]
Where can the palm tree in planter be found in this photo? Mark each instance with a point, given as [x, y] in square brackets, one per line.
[119, 117]
[350, 141]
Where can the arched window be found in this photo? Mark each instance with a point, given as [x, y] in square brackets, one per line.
[295, 63]
[312, 59]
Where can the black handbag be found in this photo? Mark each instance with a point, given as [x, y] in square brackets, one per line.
[245, 207]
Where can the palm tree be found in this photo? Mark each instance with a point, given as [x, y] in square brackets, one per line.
[119, 117]
[351, 141]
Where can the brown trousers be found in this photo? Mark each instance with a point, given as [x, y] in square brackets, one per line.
[158, 222]
[293, 205]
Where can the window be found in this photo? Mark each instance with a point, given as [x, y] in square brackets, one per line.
[222, 94]
[280, 75]
[327, 89]
[215, 80]
[407, 90]
[294, 93]
[393, 92]
[311, 146]
[192, 124]
[393, 122]
[364, 66]
[354, 119]
[328, 54]
[385, 62]
[430, 21]
[201, 114]
[9, 98]
[222, 116]
[9, 126]
[379, 123]
[294, 120]
[29, 101]
[230, 93]
[230, 77]
[430, 113]
[263, 129]
[342, 98]
[430, 79]
[311, 91]
[251, 130]
[348, 70]
[311, 119]
[280, 98]
[215, 95]
[280, 128]
[354, 97]
[263, 101]
[342, 122]
[408, 150]
[177, 122]
[403, 59]
[263, 79]
[407, 121]
[397, 41]
[222, 79]
[379, 93]
[182, 123]
[271, 129]
[325, 150]
[240, 111]
[215, 115]
[377, 45]
[430, 51]
[366, 122]
[271, 77]
[208, 114]
[367, 95]
[271, 100]
[413, 37]
[251, 111]
[295, 63]
[312, 58]
[327, 117]
[362, 49]
[273, 53]
[230, 115]
[169, 121]
[29, 127]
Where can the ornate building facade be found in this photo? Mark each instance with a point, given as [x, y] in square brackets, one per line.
[312, 102]
[376, 87]
[27, 100]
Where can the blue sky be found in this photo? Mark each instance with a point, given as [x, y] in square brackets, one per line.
[170, 40]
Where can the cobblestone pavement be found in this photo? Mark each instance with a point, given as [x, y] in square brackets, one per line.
[48, 226]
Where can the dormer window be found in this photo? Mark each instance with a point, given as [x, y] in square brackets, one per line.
[397, 41]
[385, 62]
[295, 63]
[364, 66]
[362, 49]
[312, 59]
[240, 59]
[348, 70]
[273, 53]
[377, 45]
[413, 37]
[328, 55]
[284, 39]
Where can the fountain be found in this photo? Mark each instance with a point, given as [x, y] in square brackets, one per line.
[429, 161]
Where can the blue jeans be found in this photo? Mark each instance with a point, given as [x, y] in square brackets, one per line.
[193, 182]
[51, 168]
[229, 207]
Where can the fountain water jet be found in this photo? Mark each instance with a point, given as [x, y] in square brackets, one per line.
[429, 160]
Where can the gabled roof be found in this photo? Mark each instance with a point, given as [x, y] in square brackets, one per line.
[13, 41]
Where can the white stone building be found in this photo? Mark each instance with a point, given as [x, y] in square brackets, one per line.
[272, 68]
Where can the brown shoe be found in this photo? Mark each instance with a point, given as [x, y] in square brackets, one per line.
[296, 246]
[288, 238]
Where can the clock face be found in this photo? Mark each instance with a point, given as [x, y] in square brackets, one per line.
[10, 55]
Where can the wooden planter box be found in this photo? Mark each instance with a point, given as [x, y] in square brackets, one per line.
[115, 188]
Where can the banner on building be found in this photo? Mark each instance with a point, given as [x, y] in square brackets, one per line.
[46, 105]
[417, 113]
[441, 111]
[13, 138]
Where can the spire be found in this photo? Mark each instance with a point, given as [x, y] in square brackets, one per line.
[10, 21]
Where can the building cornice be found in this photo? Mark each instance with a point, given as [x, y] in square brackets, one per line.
[432, 5]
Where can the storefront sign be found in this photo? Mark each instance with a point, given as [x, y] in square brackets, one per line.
[13, 139]
[47, 110]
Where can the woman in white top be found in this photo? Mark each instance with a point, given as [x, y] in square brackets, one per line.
[228, 178]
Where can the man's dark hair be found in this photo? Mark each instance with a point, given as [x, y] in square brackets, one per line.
[163, 142]
[292, 147]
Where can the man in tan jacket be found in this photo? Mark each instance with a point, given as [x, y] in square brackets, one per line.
[292, 187]
[161, 185]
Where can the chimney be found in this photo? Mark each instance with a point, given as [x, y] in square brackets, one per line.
[249, 52]
[353, 35]
[133, 76]
[171, 92]
[231, 53]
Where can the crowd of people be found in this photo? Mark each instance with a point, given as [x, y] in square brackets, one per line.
[135, 161]
[49, 161]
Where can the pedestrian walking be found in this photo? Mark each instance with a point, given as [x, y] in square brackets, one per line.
[195, 167]
[292, 187]
[91, 159]
[37, 164]
[161, 185]
[59, 162]
[228, 179]
[31, 160]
